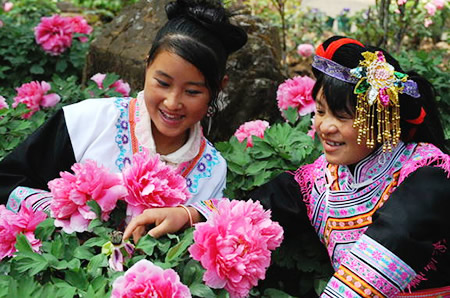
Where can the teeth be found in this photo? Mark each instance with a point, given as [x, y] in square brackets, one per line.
[334, 143]
[171, 117]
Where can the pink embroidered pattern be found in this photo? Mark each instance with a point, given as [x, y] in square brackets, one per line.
[425, 154]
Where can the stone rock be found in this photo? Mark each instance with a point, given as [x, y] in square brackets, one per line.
[254, 70]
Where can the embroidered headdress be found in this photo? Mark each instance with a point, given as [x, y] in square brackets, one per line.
[377, 86]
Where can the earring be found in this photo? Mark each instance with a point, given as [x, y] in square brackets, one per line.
[210, 112]
[209, 115]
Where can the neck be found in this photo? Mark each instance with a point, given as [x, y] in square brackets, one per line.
[166, 145]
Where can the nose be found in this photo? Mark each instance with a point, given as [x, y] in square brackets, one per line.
[173, 101]
[328, 125]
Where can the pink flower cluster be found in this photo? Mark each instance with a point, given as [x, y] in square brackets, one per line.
[432, 6]
[234, 245]
[144, 279]
[12, 224]
[296, 93]
[3, 103]
[151, 183]
[54, 33]
[249, 129]
[119, 86]
[305, 49]
[7, 6]
[71, 193]
[34, 96]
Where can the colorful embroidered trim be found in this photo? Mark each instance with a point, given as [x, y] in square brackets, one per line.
[123, 135]
[134, 141]
[428, 293]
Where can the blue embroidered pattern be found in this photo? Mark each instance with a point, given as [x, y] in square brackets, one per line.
[123, 139]
[203, 169]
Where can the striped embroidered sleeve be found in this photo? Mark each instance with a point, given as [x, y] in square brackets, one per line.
[35, 199]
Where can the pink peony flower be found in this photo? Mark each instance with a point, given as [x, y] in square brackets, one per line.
[27, 221]
[234, 245]
[119, 85]
[439, 3]
[144, 279]
[8, 232]
[151, 183]
[401, 2]
[249, 129]
[98, 79]
[33, 96]
[3, 103]
[431, 8]
[54, 34]
[71, 193]
[427, 22]
[305, 49]
[80, 25]
[8, 6]
[12, 224]
[296, 93]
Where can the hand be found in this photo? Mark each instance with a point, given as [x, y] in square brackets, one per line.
[166, 220]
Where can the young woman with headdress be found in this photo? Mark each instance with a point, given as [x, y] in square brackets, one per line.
[184, 75]
[378, 197]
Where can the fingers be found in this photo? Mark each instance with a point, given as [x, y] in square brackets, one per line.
[139, 221]
[138, 233]
[160, 230]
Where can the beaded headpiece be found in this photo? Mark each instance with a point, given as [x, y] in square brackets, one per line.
[377, 88]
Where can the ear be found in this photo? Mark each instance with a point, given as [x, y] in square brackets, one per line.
[224, 82]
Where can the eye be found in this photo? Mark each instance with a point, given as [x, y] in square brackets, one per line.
[162, 83]
[320, 112]
[344, 116]
[193, 91]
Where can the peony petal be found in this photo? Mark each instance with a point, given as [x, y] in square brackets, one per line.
[50, 100]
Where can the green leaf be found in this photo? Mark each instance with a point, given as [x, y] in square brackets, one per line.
[45, 229]
[147, 244]
[22, 244]
[37, 69]
[180, 248]
[291, 115]
[201, 290]
[109, 80]
[95, 207]
[192, 273]
[61, 65]
[96, 262]
[256, 167]
[74, 264]
[77, 279]
[29, 262]
[235, 168]
[274, 293]
[95, 241]
[83, 253]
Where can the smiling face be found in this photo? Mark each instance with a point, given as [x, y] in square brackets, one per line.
[176, 98]
[338, 136]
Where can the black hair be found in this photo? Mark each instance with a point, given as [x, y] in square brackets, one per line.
[200, 32]
[341, 99]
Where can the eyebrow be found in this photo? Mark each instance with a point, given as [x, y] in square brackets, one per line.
[162, 73]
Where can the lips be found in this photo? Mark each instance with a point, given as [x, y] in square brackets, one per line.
[170, 117]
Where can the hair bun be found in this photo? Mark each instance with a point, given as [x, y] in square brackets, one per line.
[213, 17]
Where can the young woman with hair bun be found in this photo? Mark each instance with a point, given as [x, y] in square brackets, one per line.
[185, 73]
[378, 197]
